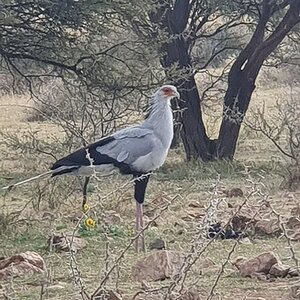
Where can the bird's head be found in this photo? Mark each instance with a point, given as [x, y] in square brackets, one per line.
[167, 92]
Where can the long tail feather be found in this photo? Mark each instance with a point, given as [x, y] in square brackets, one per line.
[43, 175]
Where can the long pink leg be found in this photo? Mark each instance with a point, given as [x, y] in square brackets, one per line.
[142, 226]
[139, 227]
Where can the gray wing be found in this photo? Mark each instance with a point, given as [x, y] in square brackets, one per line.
[129, 145]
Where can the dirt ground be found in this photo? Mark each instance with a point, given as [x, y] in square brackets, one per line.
[30, 214]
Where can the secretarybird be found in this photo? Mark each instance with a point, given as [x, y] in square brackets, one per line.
[137, 150]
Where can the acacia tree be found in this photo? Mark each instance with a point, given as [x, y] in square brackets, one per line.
[80, 60]
[185, 21]
[105, 47]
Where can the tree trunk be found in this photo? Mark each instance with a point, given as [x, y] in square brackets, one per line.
[241, 81]
[176, 53]
[192, 132]
[244, 71]
[177, 123]
[236, 103]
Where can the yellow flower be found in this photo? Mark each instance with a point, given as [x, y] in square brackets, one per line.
[90, 223]
[85, 207]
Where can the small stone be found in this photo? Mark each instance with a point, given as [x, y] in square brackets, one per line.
[239, 261]
[295, 211]
[245, 241]
[295, 236]
[62, 242]
[145, 285]
[268, 227]
[293, 223]
[259, 264]
[157, 244]
[240, 222]
[158, 265]
[259, 276]
[279, 270]
[234, 192]
[293, 272]
[23, 264]
[195, 204]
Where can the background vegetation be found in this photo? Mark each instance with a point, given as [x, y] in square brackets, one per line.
[73, 71]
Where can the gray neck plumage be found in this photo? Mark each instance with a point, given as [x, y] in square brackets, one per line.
[159, 118]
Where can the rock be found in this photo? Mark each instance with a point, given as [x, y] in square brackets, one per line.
[293, 223]
[195, 204]
[295, 236]
[158, 265]
[293, 272]
[259, 264]
[246, 241]
[62, 242]
[268, 227]
[240, 222]
[259, 276]
[279, 270]
[295, 211]
[234, 192]
[145, 285]
[157, 244]
[24, 264]
[239, 261]
[106, 294]
[295, 291]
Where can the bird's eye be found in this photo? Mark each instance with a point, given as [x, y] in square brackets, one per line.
[167, 90]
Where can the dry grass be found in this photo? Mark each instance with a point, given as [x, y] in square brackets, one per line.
[53, 204]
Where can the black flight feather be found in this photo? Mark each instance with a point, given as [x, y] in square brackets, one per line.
[79, 158]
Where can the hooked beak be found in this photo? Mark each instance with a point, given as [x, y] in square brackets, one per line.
[177, 95]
